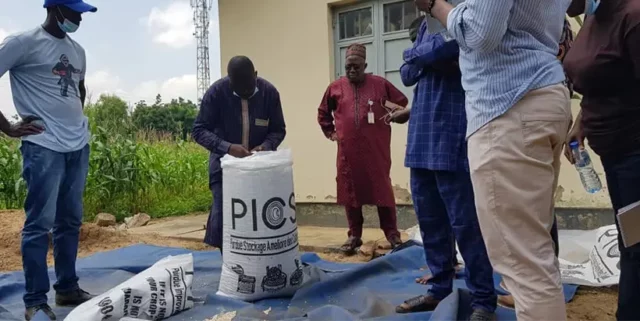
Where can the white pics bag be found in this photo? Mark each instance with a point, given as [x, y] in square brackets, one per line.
[156, 293]
[260, 234]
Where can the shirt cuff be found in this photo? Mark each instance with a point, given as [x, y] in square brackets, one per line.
[406, 55]
[223, 147]
[267, 146]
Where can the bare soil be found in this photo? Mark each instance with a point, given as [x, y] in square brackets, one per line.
[93, 239]
[589, 303]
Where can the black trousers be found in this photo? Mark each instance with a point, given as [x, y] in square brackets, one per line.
[623, 176]
[213, 235]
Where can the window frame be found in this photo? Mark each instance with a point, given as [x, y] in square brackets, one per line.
[387, 37]
[353, 9]
[342, 43]
[377, 39]
[384, 3]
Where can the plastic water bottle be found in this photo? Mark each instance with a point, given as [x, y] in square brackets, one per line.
[588, 175]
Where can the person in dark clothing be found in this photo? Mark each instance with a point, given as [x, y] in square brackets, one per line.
[440, 181]
[402, 117]
[240, 98]
[604, 66]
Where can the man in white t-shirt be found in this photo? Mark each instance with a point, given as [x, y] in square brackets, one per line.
[47, 70]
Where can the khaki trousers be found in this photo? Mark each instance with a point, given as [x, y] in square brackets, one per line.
[515, 162]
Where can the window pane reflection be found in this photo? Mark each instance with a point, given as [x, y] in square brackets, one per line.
[357, 23]
[399, 15]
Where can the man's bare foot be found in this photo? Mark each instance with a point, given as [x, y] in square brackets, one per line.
[503, 285]
[506, 301]
[424, 279]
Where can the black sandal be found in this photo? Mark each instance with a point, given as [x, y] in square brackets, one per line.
[395, 242]
[420, 303]
[349, 247]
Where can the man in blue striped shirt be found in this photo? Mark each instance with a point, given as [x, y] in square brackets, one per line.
[518, 113]
[440, 182]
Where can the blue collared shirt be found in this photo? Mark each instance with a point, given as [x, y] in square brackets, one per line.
[507, 48]
[437, 126]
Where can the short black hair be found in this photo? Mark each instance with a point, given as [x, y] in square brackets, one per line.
[240, 65]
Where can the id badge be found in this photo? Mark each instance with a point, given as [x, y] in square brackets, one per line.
[371, 117]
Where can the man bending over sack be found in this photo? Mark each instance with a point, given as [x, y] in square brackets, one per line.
[240, 114]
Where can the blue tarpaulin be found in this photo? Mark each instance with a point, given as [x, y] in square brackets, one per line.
[339, 291]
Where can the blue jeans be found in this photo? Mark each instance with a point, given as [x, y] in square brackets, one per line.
[444, 204]
[623, 175]
[213, 235]
[55, 187]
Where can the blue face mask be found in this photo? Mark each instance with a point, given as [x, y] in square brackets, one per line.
[67, 26]
[591, 6]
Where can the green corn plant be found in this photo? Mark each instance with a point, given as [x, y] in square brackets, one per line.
[130, 171]
[12, 185]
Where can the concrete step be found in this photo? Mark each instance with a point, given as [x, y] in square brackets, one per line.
[332, 215]
[311, 238]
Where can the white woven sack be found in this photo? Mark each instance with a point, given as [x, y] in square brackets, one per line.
[156, 293]
[260, 234]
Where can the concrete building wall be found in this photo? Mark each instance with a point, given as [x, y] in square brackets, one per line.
[291, 43]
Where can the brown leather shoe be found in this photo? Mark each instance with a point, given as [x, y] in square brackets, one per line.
[395, 241]
[506, 301]
[349, 247]
[418, 304]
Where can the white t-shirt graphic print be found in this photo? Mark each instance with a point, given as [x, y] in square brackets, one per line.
[45, 73]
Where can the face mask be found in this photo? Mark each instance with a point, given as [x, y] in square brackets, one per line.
[67, 26]
[591, 6]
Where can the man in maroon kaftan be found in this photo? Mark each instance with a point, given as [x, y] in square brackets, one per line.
[352, 114]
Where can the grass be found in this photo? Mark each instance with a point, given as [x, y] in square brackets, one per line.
[148, 173]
